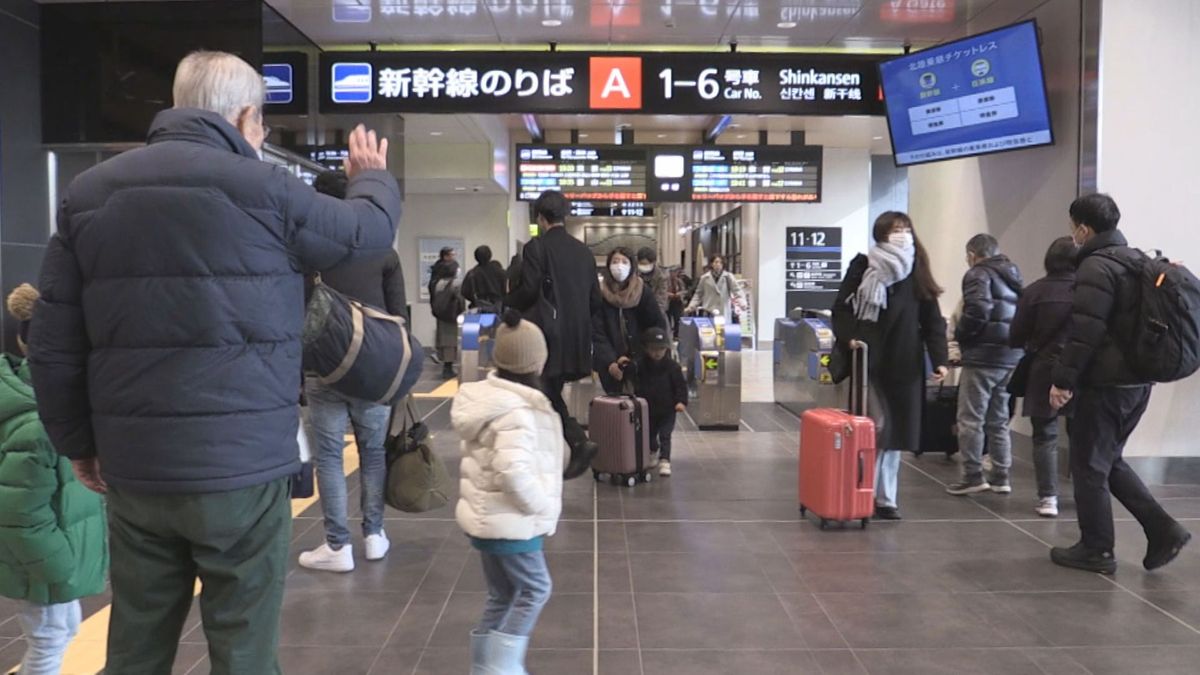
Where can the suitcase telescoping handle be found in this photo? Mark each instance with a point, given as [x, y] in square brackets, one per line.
[860, 385]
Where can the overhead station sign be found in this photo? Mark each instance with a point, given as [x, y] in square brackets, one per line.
[578, 82]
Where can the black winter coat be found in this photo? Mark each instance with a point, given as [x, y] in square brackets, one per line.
[167, 338]
[990, 293]
[484, 285]
[610, 342]
[1103, 313]
[662, 384]
[561, 268]
[374, 278]
[1040, 327]
[898, 343]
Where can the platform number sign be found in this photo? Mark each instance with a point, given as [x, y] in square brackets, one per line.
[813, 267]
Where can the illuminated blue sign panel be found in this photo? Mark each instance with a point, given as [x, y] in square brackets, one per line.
[278, 80]
[975, 96]
[352, 83]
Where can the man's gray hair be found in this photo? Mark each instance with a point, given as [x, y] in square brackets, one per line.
[217, 82]
[983, 246]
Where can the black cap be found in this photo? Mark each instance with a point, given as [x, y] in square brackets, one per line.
[655, 337]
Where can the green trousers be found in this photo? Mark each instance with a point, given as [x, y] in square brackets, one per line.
[235, 542]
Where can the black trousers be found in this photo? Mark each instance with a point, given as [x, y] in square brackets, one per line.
[552, 387]
[1104, 420]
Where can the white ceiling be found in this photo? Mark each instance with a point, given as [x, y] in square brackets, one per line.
[851, 24]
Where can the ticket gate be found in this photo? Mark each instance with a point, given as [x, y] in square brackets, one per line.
[711, 353]
[476, 339]
[802, 349]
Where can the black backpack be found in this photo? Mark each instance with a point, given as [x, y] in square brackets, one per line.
[447, 301]
[1165, 343]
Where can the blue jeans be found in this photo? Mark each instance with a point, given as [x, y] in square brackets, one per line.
[887, 477]
[983, 411]
[328, 415]
[48, 631]
[518, 588]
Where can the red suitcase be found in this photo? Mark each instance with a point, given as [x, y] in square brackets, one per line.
[837, 457]
[620, 425]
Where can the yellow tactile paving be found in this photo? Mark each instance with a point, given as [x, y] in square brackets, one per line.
[446, 389]
[85, 656]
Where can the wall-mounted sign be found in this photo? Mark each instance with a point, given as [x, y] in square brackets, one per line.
[611, 210]
[285, 78]
[765, 173]
[813, 267]
[581, 173]
[577, 82]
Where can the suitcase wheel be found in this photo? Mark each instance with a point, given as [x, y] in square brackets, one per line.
[631, 481]
[824, 524]
[864, 522]
[803, 510]
[598, 476]
[648, 477]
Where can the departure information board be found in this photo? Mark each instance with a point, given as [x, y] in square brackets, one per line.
[736, 174]
[581, 173]
[612, 210]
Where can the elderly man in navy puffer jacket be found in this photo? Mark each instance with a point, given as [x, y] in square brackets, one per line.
[166, 358]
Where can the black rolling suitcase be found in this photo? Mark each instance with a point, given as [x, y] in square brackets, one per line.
[939, 420]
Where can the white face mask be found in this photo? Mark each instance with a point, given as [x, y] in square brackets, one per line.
[902, 240]
[646, 269]
[620, 272]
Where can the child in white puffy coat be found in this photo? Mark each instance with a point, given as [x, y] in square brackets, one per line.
[510, 492]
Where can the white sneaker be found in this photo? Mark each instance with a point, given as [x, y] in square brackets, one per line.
[664, 467]
[326, 559]
[1048, 507]
[377, 546]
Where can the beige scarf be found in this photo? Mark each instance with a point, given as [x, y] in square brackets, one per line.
[622, 298]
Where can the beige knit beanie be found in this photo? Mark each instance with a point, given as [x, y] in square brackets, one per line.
[520, 346]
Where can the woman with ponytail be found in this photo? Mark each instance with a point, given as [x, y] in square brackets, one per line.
[889, 300]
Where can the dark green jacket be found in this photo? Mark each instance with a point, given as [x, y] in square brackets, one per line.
[53, 545]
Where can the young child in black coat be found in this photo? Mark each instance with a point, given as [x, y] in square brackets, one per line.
[660, 381]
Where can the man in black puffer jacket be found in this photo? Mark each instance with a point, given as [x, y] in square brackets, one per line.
[1109, 398]
[166, 358]
[991, 289]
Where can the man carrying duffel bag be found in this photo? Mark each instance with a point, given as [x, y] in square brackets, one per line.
[376, 280]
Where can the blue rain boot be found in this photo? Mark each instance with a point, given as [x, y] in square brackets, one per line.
[480, 644]
[506, 653]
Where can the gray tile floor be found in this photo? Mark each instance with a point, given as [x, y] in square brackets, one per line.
[713, 571]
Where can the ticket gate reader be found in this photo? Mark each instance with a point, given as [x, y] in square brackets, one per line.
[476, 339]
[711, 353]
[802, 350]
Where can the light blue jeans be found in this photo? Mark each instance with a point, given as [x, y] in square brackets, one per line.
[48, 631]
[518, 589]
[983, 412]
[887, 477]
[329, 413]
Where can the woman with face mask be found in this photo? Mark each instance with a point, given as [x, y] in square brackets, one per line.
[714, 290]
[889, 300]
[627, 310]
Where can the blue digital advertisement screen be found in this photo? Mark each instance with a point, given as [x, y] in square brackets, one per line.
[975, 96]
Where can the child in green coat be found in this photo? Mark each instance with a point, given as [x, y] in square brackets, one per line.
[53, 548]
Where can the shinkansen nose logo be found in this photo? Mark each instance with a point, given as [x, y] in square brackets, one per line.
[616, 82]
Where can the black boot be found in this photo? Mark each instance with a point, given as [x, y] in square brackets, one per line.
[582, 455]
[447, 370]
[1081, 558]
[1162, 549]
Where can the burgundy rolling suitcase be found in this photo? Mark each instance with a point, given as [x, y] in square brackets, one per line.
[620, 425]
[837, 457]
